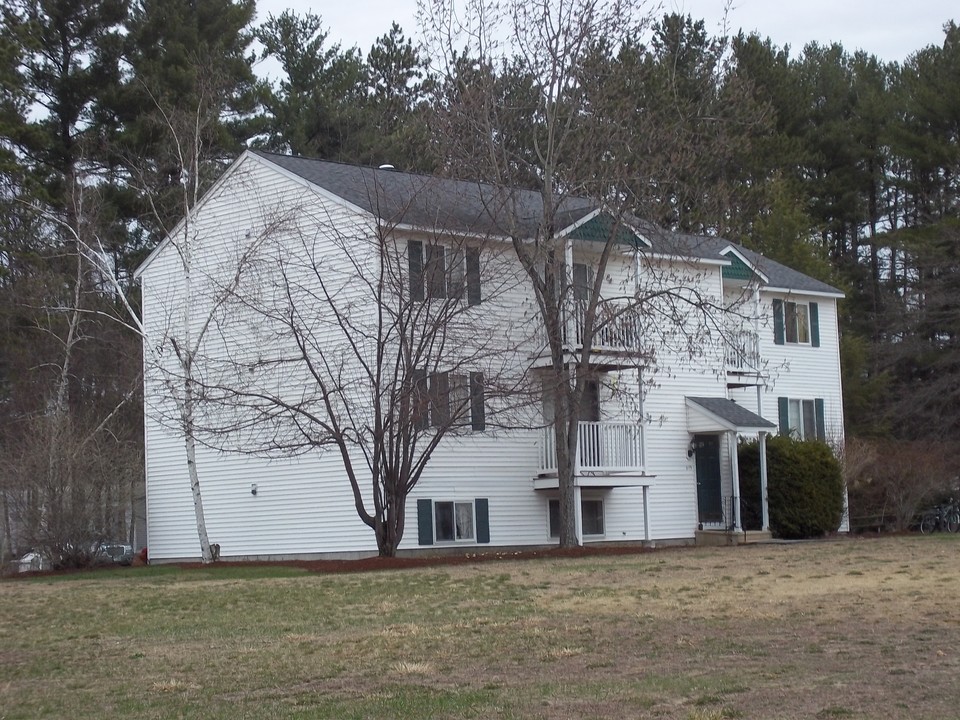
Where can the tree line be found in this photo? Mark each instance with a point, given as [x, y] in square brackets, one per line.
[834, 162]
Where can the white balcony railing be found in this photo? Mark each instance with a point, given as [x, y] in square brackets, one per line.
[602, 447]
[742, 351]
[615, 327]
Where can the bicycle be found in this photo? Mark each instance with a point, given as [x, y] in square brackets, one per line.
[944, 517]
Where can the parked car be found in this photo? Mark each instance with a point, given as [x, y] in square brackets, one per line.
[117, 553]
[32, 562]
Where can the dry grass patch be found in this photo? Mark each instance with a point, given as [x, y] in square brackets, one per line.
[852, 628]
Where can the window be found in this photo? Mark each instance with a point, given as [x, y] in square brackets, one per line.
[796, 323]
[802, 419]
[453, 521]
[447, 399]
[448, 521]
[438, 271]
[582, 283]
[591, 512]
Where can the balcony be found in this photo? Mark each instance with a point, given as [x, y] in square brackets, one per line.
[603, 448]
[742, 352]
[616, 327]
[617, 331]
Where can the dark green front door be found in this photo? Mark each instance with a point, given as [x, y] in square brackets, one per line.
[709, 495]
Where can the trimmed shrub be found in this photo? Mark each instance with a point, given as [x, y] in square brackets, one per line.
[805, 487]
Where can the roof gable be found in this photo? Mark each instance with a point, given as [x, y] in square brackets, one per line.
[601, 227]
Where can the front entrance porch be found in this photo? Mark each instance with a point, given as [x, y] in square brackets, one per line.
[713, 424]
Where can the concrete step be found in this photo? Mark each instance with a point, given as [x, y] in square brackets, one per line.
[714, 538]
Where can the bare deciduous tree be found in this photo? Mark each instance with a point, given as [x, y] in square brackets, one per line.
[533, 95]
[372, 342]
[70, 449]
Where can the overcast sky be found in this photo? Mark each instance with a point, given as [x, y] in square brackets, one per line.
[890, 29]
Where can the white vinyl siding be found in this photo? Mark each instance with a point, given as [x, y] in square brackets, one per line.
[304, 507]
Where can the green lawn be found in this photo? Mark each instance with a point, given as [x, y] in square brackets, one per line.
[852, 628]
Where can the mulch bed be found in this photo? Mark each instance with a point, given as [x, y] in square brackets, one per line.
[422, 561]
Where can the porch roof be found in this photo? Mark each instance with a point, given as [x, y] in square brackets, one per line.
[707, 414]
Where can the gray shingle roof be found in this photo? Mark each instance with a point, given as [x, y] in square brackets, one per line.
[779, 275]
[446, 205]
[729, 411]
[430, 202]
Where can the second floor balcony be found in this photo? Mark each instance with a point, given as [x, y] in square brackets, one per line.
[617, 329]
[742, 352]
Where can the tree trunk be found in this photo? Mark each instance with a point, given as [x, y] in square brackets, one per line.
[565, 437]
[190, 444]
[389, 524]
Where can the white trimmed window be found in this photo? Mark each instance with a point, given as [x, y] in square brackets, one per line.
[802, 419]
[445, 399]
[796, 324]
[437, 271]
[453, 521]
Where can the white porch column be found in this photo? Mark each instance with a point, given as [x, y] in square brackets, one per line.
[577, 494]
[578, 511]
[735, 465]
[646, 513]
[566, 311]
[765, 511]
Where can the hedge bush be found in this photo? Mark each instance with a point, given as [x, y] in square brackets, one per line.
[804, 488]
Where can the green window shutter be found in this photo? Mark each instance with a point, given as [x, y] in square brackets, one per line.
[415, 260]
[814, 324]
[420, 399]
[425, 521]
[439, 399]
[783, 406]
[473, 276]
[482, 507]
[435, 271]
[778, 334]
[478, 417]
[821, 424]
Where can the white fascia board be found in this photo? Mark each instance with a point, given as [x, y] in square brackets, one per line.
[690, 259]
[585, 219]
[594, 213]
[142, 268]
[794, 291]
[413, 229]
[753, 268]
[247, 155]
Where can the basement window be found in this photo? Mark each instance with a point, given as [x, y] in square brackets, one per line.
[592, 516]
